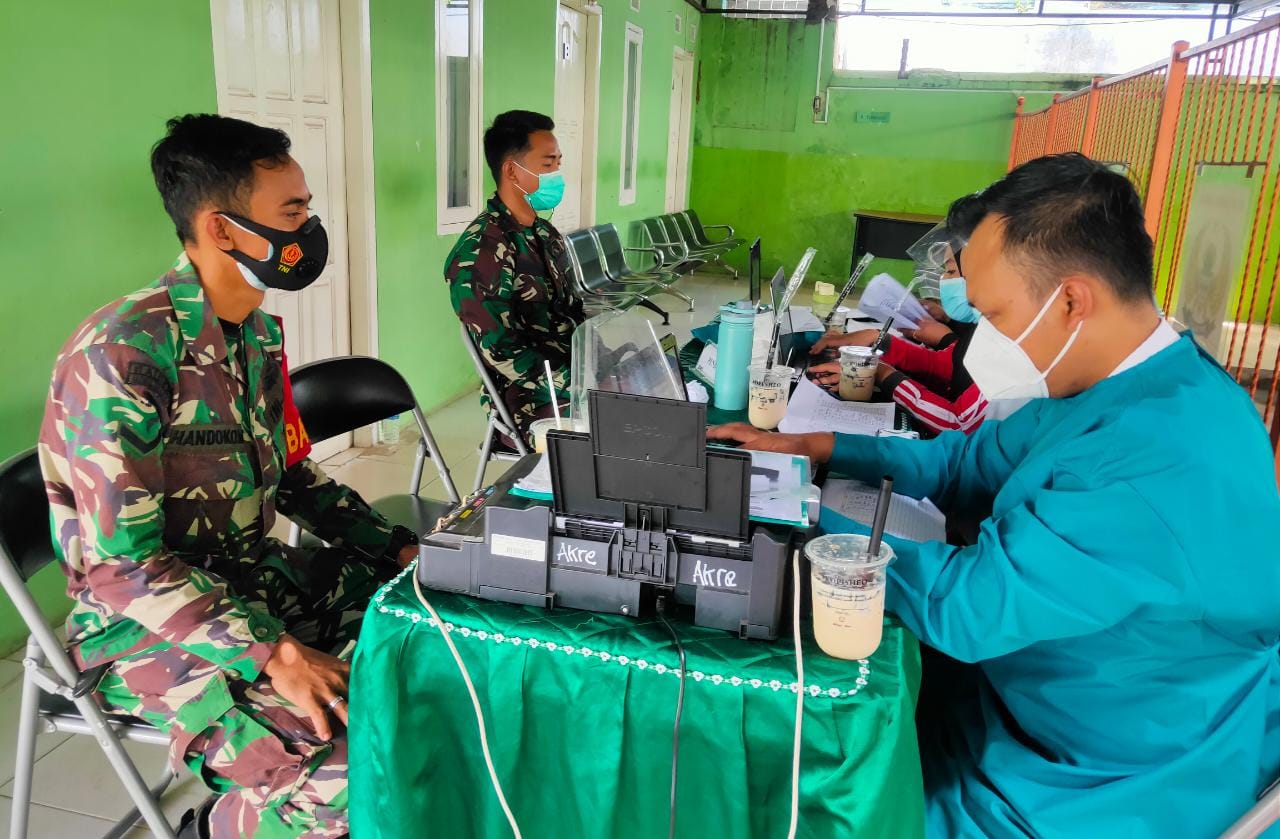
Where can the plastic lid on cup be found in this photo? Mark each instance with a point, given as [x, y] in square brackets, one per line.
[846, 550]
[757, 370]
[857, 352]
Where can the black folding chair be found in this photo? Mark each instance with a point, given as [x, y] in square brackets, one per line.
[338, 395]
[56, 697]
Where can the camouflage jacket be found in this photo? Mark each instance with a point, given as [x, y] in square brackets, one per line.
[511, 286]
[164, 460]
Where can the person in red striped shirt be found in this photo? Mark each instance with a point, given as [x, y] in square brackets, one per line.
[925, 375]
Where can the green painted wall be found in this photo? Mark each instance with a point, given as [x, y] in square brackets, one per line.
[761, 164]
[418, 331]
[88, 87]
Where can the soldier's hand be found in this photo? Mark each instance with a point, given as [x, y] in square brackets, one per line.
[311, 680]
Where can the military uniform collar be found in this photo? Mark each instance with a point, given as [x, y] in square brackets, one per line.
[507, 219]
[196, 322]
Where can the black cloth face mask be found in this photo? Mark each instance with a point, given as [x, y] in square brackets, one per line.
[295, 258]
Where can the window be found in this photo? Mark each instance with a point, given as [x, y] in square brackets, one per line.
[764, 8]
[1017, 37]
[459, 161]
[630, 112]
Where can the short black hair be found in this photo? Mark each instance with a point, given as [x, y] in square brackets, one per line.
[209, 159]
[964, 214]
[1065, 213]
[509, 135]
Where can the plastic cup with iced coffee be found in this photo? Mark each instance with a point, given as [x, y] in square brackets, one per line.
[858, 373]
[539, 428]
[848, 594]
[767, 394]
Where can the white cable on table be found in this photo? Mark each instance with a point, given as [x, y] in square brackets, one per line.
[475, 704]
[795, 746]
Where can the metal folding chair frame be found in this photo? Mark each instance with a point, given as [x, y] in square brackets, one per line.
[500, 421]
[48, 669]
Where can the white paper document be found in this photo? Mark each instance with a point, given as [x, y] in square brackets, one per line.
[919, 521]
[884, 298]
[537, 483]
[706, 367]
[813, 409]
[761, 337]
[779, 487]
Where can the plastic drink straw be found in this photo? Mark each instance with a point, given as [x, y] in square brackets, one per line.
[858, 271]
[881, 515]
[884, 331]
[551, 389]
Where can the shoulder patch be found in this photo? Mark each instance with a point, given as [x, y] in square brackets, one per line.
[150, 378]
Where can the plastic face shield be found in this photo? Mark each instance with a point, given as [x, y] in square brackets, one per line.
[931, 253]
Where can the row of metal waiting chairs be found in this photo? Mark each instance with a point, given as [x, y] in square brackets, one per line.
[678, 245]
[682, 240]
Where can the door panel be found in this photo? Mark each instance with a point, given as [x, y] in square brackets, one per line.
[277, 63]
[679, 120]
[570, 111]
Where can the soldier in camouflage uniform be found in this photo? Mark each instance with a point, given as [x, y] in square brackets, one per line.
[165, 458]
[508, 274]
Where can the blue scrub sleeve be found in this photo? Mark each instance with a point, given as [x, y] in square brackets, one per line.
[953, 470]
[1070, 562]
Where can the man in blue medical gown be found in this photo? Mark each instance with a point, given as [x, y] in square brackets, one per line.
[1122, 601]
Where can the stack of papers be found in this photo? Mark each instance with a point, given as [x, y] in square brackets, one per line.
[813, 409]
[884, 298]
[918, 521]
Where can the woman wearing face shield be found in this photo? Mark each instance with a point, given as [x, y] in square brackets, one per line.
[929, 382]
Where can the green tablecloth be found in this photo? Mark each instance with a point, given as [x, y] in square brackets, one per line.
[579, 709]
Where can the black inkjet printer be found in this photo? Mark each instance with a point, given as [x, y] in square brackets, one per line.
[641, 507]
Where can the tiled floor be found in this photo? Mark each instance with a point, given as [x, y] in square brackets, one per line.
[76, 794]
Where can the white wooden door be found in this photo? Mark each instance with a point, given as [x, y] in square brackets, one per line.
[570, 115]
[278, 63]
[679, 123]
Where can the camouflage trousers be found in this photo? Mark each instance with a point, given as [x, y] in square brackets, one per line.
[273, 775]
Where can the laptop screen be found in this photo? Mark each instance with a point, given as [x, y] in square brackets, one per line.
[671, 349]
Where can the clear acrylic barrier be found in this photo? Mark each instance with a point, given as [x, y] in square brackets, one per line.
[622, 352]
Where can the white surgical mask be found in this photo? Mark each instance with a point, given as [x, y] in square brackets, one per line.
[1002, 369]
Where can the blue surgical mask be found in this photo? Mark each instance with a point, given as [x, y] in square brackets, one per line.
[549, 192]
[955, 300]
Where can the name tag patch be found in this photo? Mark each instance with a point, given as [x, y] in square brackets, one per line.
[211, 438]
